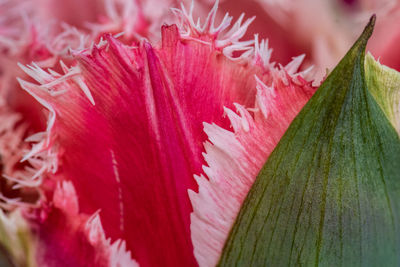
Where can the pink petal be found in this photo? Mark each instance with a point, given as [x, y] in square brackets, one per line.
[282, 38]
[69, 238]
[235, 158]
[322, 29]
[125, 124]
[390, 54]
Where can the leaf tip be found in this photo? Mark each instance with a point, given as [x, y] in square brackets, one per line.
[366, 34]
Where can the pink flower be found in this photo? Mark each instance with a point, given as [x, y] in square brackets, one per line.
[125, 131]
[144, 138]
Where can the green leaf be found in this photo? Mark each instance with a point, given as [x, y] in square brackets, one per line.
[329, 194]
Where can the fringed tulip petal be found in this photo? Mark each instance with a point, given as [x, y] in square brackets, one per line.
[235, 158]
[125, 126]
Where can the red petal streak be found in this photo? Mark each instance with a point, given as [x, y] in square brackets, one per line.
[134, 152]
[235, 158]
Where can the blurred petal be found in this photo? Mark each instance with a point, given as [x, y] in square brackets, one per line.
[16, 241]
[325, 29]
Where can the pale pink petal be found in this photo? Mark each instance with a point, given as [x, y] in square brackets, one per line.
[136, 19]
[235, 158]
[325, 29]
